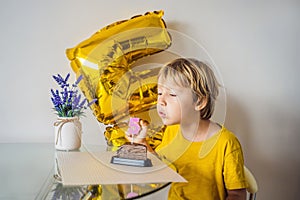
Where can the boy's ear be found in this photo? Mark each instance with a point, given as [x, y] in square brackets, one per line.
[200, 104]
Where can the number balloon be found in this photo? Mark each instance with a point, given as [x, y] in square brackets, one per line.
[106, 62]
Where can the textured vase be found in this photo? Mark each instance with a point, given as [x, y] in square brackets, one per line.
[68, 132]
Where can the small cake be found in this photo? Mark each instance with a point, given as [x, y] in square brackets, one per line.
[133, 151]
[132, 154]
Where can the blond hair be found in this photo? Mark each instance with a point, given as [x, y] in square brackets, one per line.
[196, 75]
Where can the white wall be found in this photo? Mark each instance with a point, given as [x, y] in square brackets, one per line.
[255, 45]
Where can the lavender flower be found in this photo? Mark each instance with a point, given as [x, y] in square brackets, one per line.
[67, 102]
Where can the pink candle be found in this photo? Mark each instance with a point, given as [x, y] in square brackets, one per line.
[134, 126]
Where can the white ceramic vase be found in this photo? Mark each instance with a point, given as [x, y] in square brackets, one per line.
[68, 132]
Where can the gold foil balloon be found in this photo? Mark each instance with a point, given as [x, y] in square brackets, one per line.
[106, 62]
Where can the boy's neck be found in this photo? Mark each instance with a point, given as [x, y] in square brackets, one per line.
[196, 131]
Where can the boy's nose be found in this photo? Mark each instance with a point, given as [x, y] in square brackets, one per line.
[161, 101]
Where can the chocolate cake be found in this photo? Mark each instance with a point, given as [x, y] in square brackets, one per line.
[132, 154]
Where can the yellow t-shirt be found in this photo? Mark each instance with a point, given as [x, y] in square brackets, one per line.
[210, 166]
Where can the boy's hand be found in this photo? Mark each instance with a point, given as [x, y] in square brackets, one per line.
[137, 130]
[144, 129]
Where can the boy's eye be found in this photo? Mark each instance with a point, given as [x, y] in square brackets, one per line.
[173, 95]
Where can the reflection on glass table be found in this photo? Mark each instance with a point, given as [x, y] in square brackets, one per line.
[54, 189]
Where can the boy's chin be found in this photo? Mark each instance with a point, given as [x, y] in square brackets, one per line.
[169, 123]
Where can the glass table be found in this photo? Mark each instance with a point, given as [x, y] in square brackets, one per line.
[28, 171]
[53, 189]
[24, 167]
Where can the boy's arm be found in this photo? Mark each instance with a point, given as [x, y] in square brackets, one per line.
[238, 194]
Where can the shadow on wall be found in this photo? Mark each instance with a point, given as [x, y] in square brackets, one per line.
[277, 174]
[239, 123]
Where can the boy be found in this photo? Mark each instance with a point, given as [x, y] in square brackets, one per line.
[205, 153]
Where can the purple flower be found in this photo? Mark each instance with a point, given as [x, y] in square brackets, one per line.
[67, 102]
[78, 80]
[92, 102]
